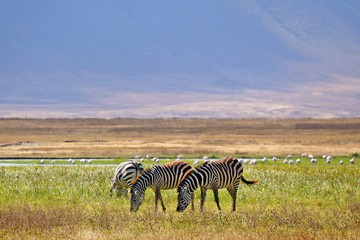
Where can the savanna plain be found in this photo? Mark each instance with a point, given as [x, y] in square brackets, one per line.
[298, 201]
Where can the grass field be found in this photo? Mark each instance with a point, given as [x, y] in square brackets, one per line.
[300, 201]
[290, 202]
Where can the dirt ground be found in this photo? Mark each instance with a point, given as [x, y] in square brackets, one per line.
[50, 138]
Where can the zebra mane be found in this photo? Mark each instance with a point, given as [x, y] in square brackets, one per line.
[225, 159]
[142, 173]
[171, 164]
[184, 177]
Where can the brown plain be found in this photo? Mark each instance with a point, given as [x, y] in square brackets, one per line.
[52, 138]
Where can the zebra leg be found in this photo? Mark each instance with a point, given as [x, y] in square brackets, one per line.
[203, 195]
[157, 198]
[192, 201]
[162, 203]
[113, 188]
[125, 192]
[233, 192]
[216, 195]
[158, 194]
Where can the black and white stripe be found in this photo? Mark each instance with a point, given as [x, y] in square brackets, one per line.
[166, 176]
[214, 175]
[124, 174]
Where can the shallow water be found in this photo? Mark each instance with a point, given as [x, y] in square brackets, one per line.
[8, 162]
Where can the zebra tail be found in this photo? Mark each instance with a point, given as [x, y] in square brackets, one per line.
[249, 182]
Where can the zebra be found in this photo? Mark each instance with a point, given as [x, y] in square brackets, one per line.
[124, 174]
[214, 175]
[166, 176]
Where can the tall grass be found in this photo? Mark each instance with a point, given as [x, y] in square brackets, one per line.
[289, 202]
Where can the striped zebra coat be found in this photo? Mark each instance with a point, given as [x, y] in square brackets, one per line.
[166, 176]
[223, 173]
[125, 173]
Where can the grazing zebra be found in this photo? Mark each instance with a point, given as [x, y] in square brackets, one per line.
[223, 173]
[125, 173]
[166, 176]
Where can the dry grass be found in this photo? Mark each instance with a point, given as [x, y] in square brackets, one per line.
[104, 222]
[128, 137]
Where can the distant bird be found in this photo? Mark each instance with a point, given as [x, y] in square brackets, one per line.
[147, 156]
[73, 161]
[90, 161]
[205, 158]
[253, 162]
[324, 156]
[70, 160]
[137, 157]
[42, 161]
[298, 160]
[287, 157]
[314, 160]
[352, 161]
[341, 162]
[241, 160]
[141, 159]
[291, 161]
[52, 161]
[303, 155]
[180, 157]
[264, 159]
[246, 161]
[196, 162]
[311, 156]
[156, 160]
[274, 159]
[328, 158]
[328, 161]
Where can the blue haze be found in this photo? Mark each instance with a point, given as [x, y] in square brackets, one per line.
[74, 52]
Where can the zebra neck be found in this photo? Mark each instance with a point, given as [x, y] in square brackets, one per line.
[203, 177]
[195, 180]
[146, 179]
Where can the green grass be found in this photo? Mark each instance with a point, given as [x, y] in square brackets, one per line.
[297, 201]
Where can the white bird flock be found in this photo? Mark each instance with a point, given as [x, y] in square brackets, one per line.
[288, 160]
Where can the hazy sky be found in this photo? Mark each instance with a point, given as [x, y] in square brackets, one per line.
[208, 58]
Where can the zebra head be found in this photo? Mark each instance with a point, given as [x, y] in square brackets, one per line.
[136, 199]
[184, 197]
